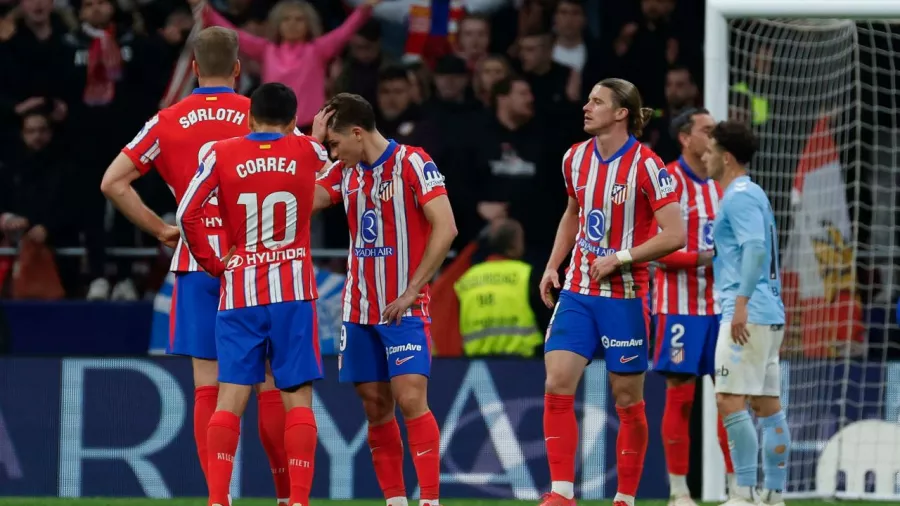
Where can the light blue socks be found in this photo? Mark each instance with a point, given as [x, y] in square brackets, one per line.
[744, 446]
[776, 443]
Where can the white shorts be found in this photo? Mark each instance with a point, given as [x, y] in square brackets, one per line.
[752, 369]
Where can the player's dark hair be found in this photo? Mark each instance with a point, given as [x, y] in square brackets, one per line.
[504, 87]
[684, 122]
[736, 138]
[350, 110]
[273, 104]
[501, 236]
[216, 51]
[628, 97]
[393, 73]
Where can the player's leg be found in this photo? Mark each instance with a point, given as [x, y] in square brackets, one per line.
[740, 373]
[409, 367]
[194, 307]
[570, 343]
[271, 434]
[362, 362]
[296, 362]
[776, 435]
[241, 346]
[709, 367]
[622, 324]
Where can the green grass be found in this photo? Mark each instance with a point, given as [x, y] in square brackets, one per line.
[269, 502]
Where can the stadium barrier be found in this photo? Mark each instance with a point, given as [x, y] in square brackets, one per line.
[77, 427]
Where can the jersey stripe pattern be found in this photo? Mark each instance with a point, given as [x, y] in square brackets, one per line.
[388, 228]
[690, 290]
[265, 184]
[617, 199]
[176, 140]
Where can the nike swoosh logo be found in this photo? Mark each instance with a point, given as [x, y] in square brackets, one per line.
[351, 192]
[579, 188]
[419, 454]
[551, 437]
[625, 360]
[401, 361]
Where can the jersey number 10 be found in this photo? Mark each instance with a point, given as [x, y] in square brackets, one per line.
[263, 217]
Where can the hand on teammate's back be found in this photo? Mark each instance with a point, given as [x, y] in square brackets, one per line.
[705, 258]
[169, 236]
[549, 279]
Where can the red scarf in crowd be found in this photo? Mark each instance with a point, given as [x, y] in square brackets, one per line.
[104, 66]
[432, 28]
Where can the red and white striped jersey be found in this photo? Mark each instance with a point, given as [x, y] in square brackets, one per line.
[681, 286]
[617, 199]
[176, 140]
[265, 184]
[388, 228]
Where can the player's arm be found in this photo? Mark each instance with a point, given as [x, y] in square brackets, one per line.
[443, 231]
[657, 189]
[134, 161]
[328, 187]
[565, 236]
[749, 224]
[190, 216]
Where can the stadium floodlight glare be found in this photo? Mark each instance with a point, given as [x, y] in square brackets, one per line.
[820, 82]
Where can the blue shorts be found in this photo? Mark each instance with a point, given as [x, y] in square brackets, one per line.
[581, 323]
[285, 333]
[686, 344]
[380, 352]
[193, 320]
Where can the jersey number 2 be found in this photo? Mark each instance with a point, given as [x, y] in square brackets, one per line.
[677, 332]
[264, 217]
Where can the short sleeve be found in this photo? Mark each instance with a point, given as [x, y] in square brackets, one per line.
[145, 147]
[567, 173]
[423, 176]
[746, 217]
[656, 183]
[330, 178]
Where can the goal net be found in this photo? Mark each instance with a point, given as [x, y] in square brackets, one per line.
[823, 97]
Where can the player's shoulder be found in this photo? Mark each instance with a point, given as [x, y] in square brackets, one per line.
[228, 145]
[745, 192]
[645, 155]
[331, 170]
[412, 153]
[579, 148]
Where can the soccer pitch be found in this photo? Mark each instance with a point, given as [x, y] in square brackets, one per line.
[42, 501]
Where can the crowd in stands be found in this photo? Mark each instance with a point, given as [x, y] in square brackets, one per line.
[494, 94]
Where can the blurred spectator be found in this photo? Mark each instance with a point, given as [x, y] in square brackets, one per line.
[474, 39]
[553, 84]
[571, 48]
[359, 72]
[32, 54]
[398, 117]
[488, 71]
[646, 48]
[299, 52]
[516, 166]
[498, 298]
[242, 12]
[681, 93]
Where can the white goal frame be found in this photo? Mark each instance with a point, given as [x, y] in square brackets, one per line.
[715, 85]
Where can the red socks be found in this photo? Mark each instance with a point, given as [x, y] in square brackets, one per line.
[300, 444]
[204, 407]
[676, 430]
[723, 444]
[425, 447]
[560, 436]
[271, 434]
[631, 446]
[222, 442]
[387, 458]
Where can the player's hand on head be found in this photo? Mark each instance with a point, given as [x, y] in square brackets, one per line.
[603, 267]
[169, 236]
[550, 279]
[320, 124]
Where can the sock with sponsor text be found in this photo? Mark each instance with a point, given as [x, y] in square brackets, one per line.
[744, 445]
[222, 442]
[561, 439]
[386, 446]
[425, 447]
[300, 444]
[631, 447]
[204, 407]
[676, 436]
[271, 435]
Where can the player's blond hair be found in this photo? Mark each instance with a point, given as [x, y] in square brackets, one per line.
[628, 97]
[216, 51]
[279, 12]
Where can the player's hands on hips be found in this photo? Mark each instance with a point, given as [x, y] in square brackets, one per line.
[394, 311]
[227, 257]
[169, 236]
[739, 332]
[320, 124]
[604, 266]
[548, 280]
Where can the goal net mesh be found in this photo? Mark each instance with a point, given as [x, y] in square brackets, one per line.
[823, 97]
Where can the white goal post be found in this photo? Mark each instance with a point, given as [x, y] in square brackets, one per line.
[780, 19]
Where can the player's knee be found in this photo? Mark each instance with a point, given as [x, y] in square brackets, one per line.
[377, 401]
[628, 390]
[413, 403]
[206, 372]
[765, 406]
[560, 381]
[728, 404]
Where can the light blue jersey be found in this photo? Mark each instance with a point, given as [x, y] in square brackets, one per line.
[745, 222]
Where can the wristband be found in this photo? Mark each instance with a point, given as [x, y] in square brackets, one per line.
[624, 257]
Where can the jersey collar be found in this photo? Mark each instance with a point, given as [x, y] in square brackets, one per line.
[624, 149]
[689, 171]
[209, 90]
[264, 136]
[392, 145]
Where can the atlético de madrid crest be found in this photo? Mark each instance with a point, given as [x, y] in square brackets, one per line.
[386, 190]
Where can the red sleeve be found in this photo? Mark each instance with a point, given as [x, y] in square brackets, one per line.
[680, 259]
[319, 150]
[330, 179]
[657, 185]
[423, 176]
[145, 147]
[567, 172]
[190, 215]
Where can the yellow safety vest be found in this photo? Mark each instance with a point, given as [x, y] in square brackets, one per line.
[495, 315]
[759, 105]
